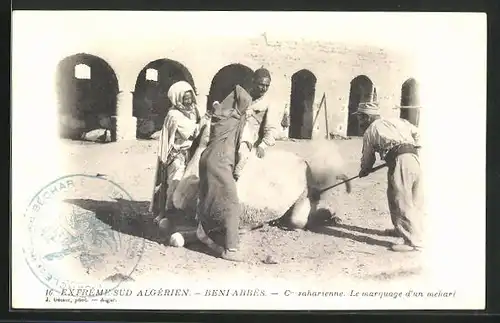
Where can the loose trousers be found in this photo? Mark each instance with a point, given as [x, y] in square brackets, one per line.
[405, 197]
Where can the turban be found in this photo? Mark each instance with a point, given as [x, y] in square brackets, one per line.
[369, 108]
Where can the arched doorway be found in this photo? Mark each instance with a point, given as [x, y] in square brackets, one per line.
[150, 103]
[301, 104]
[362, 90]
[226, 79]
[411, 100]
[87, 89]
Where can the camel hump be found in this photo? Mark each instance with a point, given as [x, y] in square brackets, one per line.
[268, 187]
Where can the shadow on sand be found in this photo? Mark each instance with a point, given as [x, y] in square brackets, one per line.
[133, 218]
[325, 217]
[128, 217]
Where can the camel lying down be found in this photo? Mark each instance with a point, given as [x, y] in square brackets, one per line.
[280, 187]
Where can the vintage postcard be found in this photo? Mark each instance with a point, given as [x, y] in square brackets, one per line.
[248, 160]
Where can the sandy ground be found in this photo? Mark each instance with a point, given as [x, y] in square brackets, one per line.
[356, 248]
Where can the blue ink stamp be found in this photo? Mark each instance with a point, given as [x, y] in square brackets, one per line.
[84, 236]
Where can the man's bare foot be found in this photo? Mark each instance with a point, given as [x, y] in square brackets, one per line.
[403, 247]
[202, 236]
[232, 255]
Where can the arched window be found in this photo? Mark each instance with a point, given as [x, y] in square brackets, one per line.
[82, 72]
[152, 75]
[150, 102]
[303, 91]
[410, 102]
[86, 86]
[362, 90]
[226, 79]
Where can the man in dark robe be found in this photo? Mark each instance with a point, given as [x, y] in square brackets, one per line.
[219, 208]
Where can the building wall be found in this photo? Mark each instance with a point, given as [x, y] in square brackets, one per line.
[333, 64]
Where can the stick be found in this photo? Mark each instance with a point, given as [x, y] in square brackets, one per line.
[326, 118]
[319, 110]
[374, 169]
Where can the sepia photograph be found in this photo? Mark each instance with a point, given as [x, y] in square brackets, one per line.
[248, 160]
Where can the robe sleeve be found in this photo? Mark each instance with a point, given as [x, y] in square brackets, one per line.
[166, 137]
[270, 124]
[368, 153]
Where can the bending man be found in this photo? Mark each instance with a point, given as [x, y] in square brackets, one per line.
[397, 142]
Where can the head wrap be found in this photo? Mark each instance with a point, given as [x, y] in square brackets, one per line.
[177, 91]
[369, 108]
[262, 73]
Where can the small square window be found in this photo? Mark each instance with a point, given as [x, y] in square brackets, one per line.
[82, 71]
[152, 75]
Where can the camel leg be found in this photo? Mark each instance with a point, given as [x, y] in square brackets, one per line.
[301, 210]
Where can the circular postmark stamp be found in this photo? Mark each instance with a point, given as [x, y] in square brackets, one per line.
[83, 234]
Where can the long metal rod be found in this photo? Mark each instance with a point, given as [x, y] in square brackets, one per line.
[374, 169]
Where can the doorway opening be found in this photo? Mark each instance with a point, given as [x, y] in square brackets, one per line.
[411, 100]
[226, 79]
[301, 104]
[150, 100]
[362, 90]
[87, 89]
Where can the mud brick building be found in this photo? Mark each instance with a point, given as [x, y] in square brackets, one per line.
[129, 79]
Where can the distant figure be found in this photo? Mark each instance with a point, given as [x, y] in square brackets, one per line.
[240, 124]
[285, 120]
[180, 128]
[397, 142]
[96, 128]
